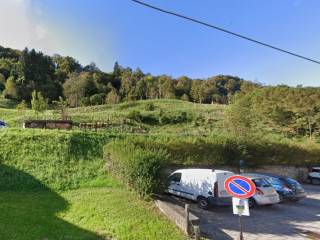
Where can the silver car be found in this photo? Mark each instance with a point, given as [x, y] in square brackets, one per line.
[265, 193]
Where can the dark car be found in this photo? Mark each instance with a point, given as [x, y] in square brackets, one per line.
[287, 188]
[2, 124]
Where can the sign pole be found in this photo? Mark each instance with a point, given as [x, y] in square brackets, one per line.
[241, 188]
[241, 230]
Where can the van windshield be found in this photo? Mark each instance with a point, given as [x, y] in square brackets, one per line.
[261, 182]
[176, 177]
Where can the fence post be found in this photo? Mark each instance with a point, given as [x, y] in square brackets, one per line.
[196, 230]
[187, 211]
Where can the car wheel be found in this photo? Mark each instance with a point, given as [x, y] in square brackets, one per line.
[252, 202]
[315, 181]
[203, 203]
[281, 198]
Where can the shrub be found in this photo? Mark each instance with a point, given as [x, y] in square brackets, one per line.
[140, 167]
[22, 105]
[135, 115]
[98, 99]
[172, 118]
[149, 106]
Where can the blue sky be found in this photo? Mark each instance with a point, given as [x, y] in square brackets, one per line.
[105, 31]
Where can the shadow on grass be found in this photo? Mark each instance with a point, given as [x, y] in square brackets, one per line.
[28, 210]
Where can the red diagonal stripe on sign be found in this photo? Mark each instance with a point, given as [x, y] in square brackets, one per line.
[239, 186]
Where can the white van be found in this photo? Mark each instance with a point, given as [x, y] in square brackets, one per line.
[206, 186]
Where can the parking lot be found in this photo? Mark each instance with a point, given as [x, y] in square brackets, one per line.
[300, 220]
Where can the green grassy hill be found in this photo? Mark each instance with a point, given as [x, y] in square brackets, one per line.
[172, 116]
[54, 185]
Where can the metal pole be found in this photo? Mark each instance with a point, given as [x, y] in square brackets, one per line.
[240, 225]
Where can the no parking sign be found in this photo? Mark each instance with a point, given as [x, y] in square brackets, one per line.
[240, 187]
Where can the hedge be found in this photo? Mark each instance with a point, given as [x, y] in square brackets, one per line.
[142, 168]
[221, 150]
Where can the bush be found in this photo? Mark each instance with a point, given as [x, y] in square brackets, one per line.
[149, 106]
[135, 115]
[98, 99]
[169, 118]
[140, 167]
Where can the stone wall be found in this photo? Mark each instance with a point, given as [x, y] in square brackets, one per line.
[298, 173]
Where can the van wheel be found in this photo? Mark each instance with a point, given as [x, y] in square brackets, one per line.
[252, 203]
[315, 181]
[203, 203]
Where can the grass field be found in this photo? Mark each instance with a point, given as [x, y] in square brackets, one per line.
[102, 210]
[54, 185]
[198, 116]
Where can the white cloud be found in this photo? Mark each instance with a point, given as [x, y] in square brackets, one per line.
[21, 26]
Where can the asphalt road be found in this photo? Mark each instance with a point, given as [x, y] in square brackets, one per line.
[300, 220]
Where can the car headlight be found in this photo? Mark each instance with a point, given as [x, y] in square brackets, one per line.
[286, 189]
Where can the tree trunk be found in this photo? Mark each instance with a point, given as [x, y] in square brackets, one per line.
[310, 127]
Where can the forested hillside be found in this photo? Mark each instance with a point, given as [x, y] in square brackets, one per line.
[290, 111]
[22, 72]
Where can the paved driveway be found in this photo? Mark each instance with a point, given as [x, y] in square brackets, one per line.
[282, 221]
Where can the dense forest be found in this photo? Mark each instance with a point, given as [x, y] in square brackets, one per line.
[22, 72]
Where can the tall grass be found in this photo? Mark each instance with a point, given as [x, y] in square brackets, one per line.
[58, 159]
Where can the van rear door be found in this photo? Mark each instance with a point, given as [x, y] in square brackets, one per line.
[221, 176]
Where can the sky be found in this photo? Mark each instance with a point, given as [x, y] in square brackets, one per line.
[105, 31]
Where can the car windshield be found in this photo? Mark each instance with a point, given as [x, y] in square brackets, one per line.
[293, 182]
[261, 182]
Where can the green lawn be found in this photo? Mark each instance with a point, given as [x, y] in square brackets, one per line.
[91, 213]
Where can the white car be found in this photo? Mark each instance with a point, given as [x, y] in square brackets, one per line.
[206, 186]
[314, 175]
[265, 193]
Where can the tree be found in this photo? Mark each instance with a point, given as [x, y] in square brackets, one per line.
[197, 91]
[98, 99]
[165, 87]
[11, 89]
[62, 107]
[239, 119]
[39, 103]
[37, 72]
[22, 105]
[2, 82]
[66, 65]
[183, 86]
[141, 89]
[128, 85]
[112, 97]
[185, 97]
[77, 87]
